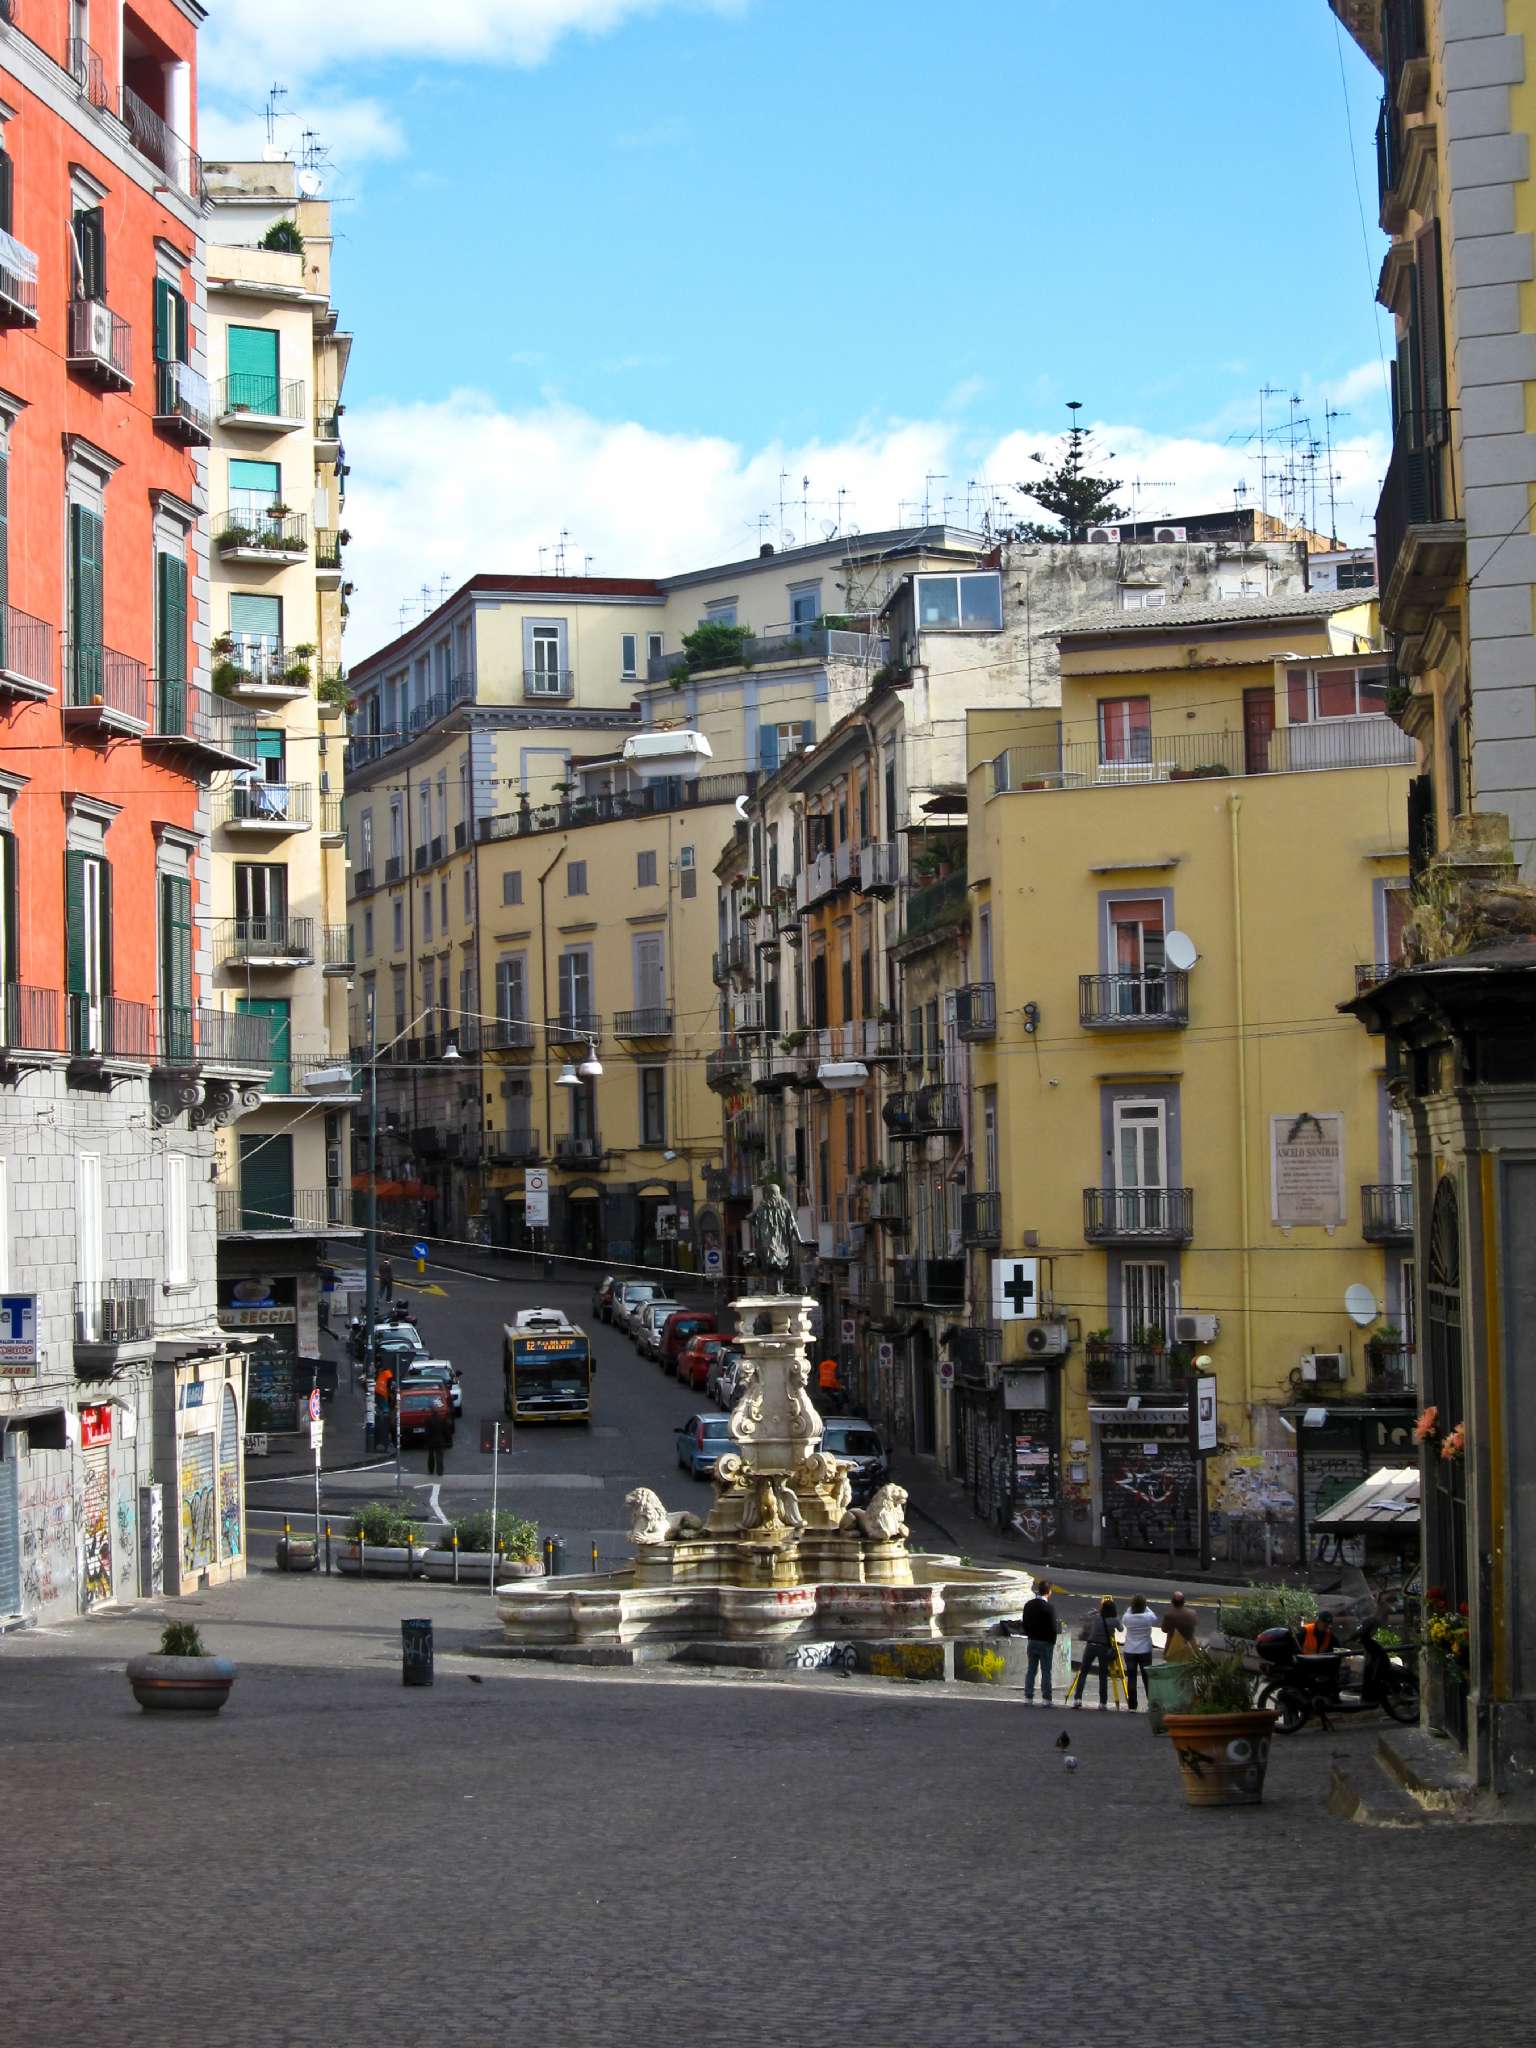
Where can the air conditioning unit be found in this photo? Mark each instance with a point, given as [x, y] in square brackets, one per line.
[1195, 1328]
[1045, 1340]
[1104, 536]
[333, 1162]
[1169, 533]
[98, 328]
[1322, 1368]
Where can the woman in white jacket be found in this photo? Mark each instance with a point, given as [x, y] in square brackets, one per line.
[1139, 1620]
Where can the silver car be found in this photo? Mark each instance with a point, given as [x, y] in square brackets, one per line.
[652, 1321]
[725, 1375]
[629, 1297]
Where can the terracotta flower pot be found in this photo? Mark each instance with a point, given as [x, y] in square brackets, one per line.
[1221, 1757]
[198, 1685]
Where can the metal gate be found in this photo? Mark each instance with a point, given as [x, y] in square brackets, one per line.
[1446, 1507]
[197, 1502]
[10, 1540]
[96, 1527]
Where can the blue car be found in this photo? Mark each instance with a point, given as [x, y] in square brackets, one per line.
[700, 1441]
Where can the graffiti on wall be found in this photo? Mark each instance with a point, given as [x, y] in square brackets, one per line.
[124, 1530]
[229, 1476]
[198, 1507]
[47, 1540]
[96, 1533]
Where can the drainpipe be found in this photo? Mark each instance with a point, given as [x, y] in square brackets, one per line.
[1234, 808]
[549, 1100]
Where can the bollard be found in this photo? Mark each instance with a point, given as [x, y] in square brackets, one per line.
[416, 1652]
[554, 1556]
[410, 1554]
[594, 1557]
[327, 1550]
[455, 1557]
[362, 1555]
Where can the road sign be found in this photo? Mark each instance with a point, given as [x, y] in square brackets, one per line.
[314, 1404]
[1202, 1416]
[946, 1372]
[489, 1426]
[316, 1437]
[713, 1261]
[886, 1354]
[850, 1330]
[535, 1198]
[1015, 1290]
[418, 1250]
[18, 1336]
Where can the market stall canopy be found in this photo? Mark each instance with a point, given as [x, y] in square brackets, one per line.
[1388, 1499]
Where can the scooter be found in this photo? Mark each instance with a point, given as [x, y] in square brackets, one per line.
[1302, 1688]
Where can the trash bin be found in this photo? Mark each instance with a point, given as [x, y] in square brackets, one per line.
[416, 1653]
[1167, 1692]
[554, 1556]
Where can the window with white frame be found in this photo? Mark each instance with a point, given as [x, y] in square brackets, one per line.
[178, 1232]
[1318, 693]
[960, 604]
[720, 611]
[1146, 1300]
[629, 654]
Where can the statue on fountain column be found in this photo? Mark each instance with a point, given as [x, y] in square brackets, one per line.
[775, 1237]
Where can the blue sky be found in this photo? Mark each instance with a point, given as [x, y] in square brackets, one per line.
[634, 250]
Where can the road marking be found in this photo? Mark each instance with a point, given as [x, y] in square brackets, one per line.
[436, 1506]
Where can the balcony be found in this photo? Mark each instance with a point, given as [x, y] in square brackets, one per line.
[981, 1219]
[746, 1132]
[929, 1283]
[105, 691]
[152, 138]
[296, 1212]
[936, 1111]
[100, 345]
[900, 1116]
[279, 943]
[267, 539]
[1138, 1215]
[516, 1147]
[262, 808]
[1133, 1002]
[976, 1010]
[734, 957]
[327, 557]
[977, 1352]
[1137, 1368]
[88, 71]
[394, 867]
[110, 1314]
[574, 1027]
[198, 725]
[32, 1021]
[787, 643]
[333, 828]
[18, 283]
[233, 1043]
[1421, 539]
[26, 655]
[817, 880]
[936, 909]
[336, 949]
[270, 405]
[725, 1068]
[887, 1204]
[879, 867]
[1365, 741]
[571, 1150]
[556, 684]
[250, 669]
[509, 1034]
[650, 1024]
[328, 432]
[106, 1031]
[183, 406]
[1371, 974]
[1386, 1212]
[1391, 1371]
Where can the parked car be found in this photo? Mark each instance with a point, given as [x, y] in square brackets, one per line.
[724, 1370]
[679, 1330]
[419, 1401]
[700, 1441]
[652, 1321]
[696, 1361]
[850, 1437]
[602, 1299]
[438, 1372]
[629, 1297]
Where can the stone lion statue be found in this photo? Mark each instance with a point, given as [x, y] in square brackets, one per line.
[650, 1523]
[882, 1521]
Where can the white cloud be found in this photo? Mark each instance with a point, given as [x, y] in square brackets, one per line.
[446, 488]
[258, 39]
[351, 130]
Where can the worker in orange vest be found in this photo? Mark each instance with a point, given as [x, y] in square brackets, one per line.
[826, 1381]
[1317, 1637]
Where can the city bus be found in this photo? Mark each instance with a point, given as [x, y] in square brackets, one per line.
[548, 1374]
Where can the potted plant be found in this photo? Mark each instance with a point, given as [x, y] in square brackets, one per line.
[516, 1542]
[296, 673]
[181, 1677]
[1221, 1740]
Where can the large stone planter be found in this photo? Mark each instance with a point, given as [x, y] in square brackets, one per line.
[185, 1685]
[1221, 1757]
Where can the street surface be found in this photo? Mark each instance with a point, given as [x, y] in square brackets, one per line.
[616, 1858]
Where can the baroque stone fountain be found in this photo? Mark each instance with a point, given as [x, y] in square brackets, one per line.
[783, 1554]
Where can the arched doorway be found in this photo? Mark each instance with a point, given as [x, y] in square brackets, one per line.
[1445, 1503]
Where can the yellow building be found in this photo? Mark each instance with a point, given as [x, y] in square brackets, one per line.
[1176, 879]
[277, 362]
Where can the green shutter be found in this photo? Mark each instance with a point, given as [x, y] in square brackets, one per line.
[7, 187]
[768, 748]
[165, 322]
[104, 870]
[279, 1013]
[74, 922]
[171, 619]
[91, 252]
[253, 369]
[10, 911]
[176, 965]
[266, 1182]
[85, 602]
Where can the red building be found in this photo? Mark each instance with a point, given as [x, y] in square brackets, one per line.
[113, 1066]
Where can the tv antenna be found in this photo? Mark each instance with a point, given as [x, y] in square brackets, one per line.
[934, 476]
[274, 94]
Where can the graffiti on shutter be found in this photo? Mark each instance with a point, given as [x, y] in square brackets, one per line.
[229, 1476]
[96, 1528]
[197, 1501]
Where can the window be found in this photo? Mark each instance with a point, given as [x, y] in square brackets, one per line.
[915, 1034]
[721, 612]
[653, 1105]
[544, 658]
[1141, 1159]
[655, 643]
[1142, 600]
[804, 606]
[175, 976]
[261, 895]
[88, 948]
[442, 904]
[1125, 728]
[398, 908]
[512, 886]
[368, 933]
[778, 742]
[10, 910]
[512, 989]
[426, 913]
[1396, 903]
[629, 652]
[252, 382]
[960, 604]
[84, 681]
[7, 192]
[575, 982]
[1354, 576]
[984, 941]
[424, 813]
[396, 828]
[1335, 693]
[469, 892]
[1136, 935]
[688, 872]
[170, 343]
[397, 979]
[90, 253]
[650, 971]
[1146, 1300]
[171, 639]
[850, 1137]
[645, 870]
[254, 488]
[576, 878]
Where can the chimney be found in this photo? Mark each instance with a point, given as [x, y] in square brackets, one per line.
[765, 550]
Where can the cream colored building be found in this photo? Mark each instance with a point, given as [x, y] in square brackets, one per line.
[277, 363]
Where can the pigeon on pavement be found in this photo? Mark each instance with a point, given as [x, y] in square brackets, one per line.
[1063, 1740]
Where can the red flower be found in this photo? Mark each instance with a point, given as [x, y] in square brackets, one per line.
[1462, 1608]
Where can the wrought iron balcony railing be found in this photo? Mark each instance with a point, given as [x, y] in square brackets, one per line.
[1138, 1215]
[1387, 1212]
[1107, 1002]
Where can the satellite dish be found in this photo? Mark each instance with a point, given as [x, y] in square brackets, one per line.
[1180, 951]
[1360, 1304]
[741, 807]
[311, 184]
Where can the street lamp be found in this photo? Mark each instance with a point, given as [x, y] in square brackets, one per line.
[591, 1068]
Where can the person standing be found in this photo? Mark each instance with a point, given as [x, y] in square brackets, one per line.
[1041, 1629]
[386, 1278]
[826, 1383]
[437, 1442]
[1180, 1626]
[1099, 1644]
[1139, 1620]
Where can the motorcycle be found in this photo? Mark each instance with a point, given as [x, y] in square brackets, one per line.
[1300, 1688]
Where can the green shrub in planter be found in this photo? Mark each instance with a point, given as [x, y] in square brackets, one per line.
[519, 1538]
[1217, 1685]
[1264, 1607]
[181, 1639]
[382, 1524]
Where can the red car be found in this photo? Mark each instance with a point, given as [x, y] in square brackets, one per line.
[418, 1404]
[695, 1359]
[679, 1331]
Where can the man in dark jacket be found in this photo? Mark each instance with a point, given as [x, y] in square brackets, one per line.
[437, 1441]
[1041, 1629]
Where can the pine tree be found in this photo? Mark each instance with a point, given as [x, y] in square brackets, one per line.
[1068, 490]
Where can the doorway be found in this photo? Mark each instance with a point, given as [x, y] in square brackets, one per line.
[1258, 729]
